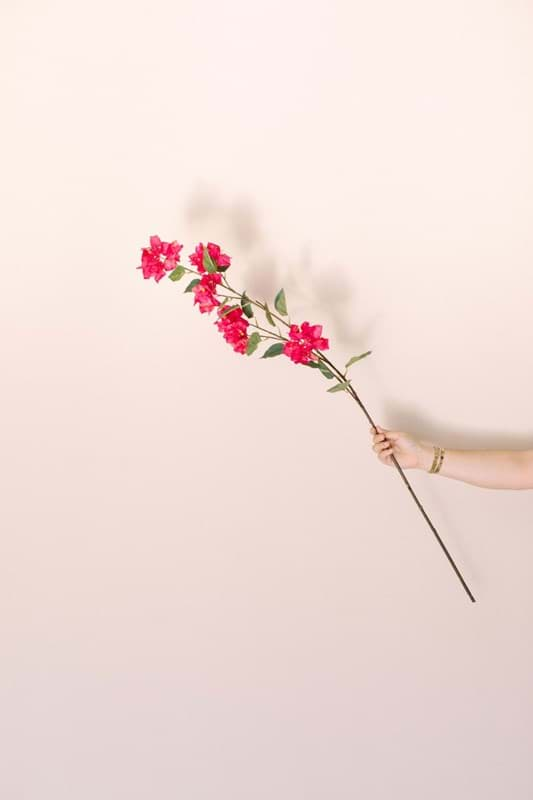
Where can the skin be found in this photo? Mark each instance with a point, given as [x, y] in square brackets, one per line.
[490, 469]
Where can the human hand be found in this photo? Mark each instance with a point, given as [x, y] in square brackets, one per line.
[410, 453]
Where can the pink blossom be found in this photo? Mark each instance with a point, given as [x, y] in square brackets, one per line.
[221, 260]
[205, 291]
[302, 340]
[151, 263]
[234, 327]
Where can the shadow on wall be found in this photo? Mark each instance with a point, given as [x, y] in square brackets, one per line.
[210, 218]
[421, 424]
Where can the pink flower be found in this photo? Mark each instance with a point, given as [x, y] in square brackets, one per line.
[205, 291]
[302, 341]
[233, 326]
[220, 259]
[151, 263]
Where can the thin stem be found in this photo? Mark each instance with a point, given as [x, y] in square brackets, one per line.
[227, 296]
[272, 335]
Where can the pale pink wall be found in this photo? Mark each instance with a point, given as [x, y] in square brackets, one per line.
[210, 587]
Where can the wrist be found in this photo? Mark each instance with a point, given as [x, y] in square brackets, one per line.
[426, 455]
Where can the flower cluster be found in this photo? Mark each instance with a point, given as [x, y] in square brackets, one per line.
[301, 342]
[161, 257]
[151, 265]
[234, 327]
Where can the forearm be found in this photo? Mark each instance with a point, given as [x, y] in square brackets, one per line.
[490, 469]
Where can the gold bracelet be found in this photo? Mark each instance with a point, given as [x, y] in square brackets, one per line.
[435, 458]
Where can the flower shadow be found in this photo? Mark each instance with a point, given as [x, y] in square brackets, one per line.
[235, 226]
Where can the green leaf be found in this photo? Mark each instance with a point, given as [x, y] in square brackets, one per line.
[227, 310]
[357, 358]
[324, 370]
[280, 302]
[269, 316]
[191, 284]
[208, 262]
[339, 386]
[177, 273]
[322, 367]
[253, 341]
[274, 350]
[246, 305]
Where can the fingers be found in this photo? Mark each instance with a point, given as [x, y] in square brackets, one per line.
[384, 433]
[383, 448]
[378, 435]
[384, 442]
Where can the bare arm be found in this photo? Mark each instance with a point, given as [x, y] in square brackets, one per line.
[490, 469]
